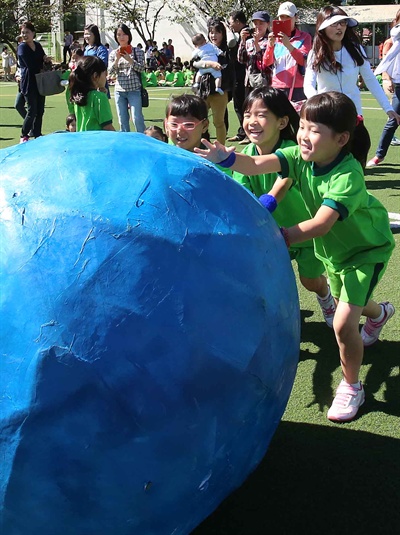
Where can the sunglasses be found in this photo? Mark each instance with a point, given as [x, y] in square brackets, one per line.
[339, 23]
[187, 126]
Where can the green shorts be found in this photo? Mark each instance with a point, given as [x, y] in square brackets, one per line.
[309, 266]
[355, 285]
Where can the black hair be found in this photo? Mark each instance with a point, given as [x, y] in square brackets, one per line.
[198, 39]
[239, 15]
[29, 26]
[92, 28]
[218, 25]
[5, 48]
[338, 112]
[324, 54]
[80, 80]
[187, 104]
[70, 119]
[126, 31]
[158, 130]
[278, 103]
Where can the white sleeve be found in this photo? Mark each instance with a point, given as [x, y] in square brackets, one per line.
[310, 78]
[373, 85]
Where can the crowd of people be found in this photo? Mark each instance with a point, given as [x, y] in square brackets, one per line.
[300, 116]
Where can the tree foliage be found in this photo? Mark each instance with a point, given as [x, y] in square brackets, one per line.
[42, 15]
[140, 15]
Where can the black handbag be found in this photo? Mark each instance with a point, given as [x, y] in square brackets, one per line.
[143, 91]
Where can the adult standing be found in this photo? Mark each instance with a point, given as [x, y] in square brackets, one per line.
[31, 58]
[126, 64]
[237, 22]
[68, 40]
[391, 66]
[336, 61]
[93, 45]
[287, 55]
[218, 103]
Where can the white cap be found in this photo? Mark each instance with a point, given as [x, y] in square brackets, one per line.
[287, 8]
[336, 18]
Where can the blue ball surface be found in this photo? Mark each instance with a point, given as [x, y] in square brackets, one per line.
[150, 336]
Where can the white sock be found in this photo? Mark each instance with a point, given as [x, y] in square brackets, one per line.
[328, 296]
[380, 317]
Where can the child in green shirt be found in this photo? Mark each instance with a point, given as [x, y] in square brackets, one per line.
[271, 123]
[91, 106]
[349, 226]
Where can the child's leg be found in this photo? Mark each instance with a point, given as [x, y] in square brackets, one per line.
[218, 81]
[351, 349]
[311, 277]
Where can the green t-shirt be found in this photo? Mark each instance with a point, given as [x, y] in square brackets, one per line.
[151, 79]
[179, 79]
[362, 233]
[169, 76]
[291, 210]
[96, 114]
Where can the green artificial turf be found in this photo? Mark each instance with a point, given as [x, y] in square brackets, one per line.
[317, 477]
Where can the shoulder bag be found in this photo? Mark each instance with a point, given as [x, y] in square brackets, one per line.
[143, 90]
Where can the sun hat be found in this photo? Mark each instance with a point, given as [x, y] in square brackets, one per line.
[261, 15]
[287, 8]
[336, 18]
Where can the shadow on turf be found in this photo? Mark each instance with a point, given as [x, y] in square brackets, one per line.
[316, 480]
[382, 357]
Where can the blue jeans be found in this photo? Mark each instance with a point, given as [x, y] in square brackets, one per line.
[390, 127]
[20, 104]
[134, 99]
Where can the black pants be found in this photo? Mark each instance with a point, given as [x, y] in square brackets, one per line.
[66, 51]
[239, 95]
[34, 114]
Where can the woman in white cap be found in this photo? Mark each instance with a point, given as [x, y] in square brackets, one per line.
[287, 54]
[336, 61]
[391, 66]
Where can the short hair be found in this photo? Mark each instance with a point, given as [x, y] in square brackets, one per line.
[126, 31]
[198, 39]
[28, 26]
[239, 15]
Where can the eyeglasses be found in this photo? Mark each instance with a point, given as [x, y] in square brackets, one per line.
[186, 126]
[339, 23]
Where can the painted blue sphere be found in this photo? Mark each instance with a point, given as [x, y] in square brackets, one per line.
[149, 333]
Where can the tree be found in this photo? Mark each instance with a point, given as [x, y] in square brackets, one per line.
[14, 13]
[141, 15]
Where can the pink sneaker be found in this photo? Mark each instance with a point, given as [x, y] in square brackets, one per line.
[371, 329]
[328, 308]
[346, 403]
[24, 139]
[374, 162]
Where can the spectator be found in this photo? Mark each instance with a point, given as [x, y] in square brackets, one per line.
[287, 55]
[205, 51]
[68, 39]
[127, 63]
[93, 46]
[171, 48]
[391, 66]
[31, 59]
[218, 103]
[336, 61]
[237, 22]
[251, 50]
[8, 62]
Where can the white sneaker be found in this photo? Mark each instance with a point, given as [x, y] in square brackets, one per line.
[395, 142]
[219, 90]
[328, 308]
[346, 403]
[371, 329]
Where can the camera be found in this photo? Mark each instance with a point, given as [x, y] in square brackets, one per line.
[251, 31]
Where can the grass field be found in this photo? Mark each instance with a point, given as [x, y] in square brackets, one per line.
[317, 477]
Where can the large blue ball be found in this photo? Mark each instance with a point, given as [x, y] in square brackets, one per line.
[149, 336]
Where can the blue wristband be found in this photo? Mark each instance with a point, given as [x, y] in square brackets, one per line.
[269, 202]
[229, 161]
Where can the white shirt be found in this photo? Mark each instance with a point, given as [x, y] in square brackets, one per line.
[344, 81]
[391, 63]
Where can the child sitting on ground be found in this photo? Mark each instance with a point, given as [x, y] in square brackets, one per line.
[156, 132]
[206, 52]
